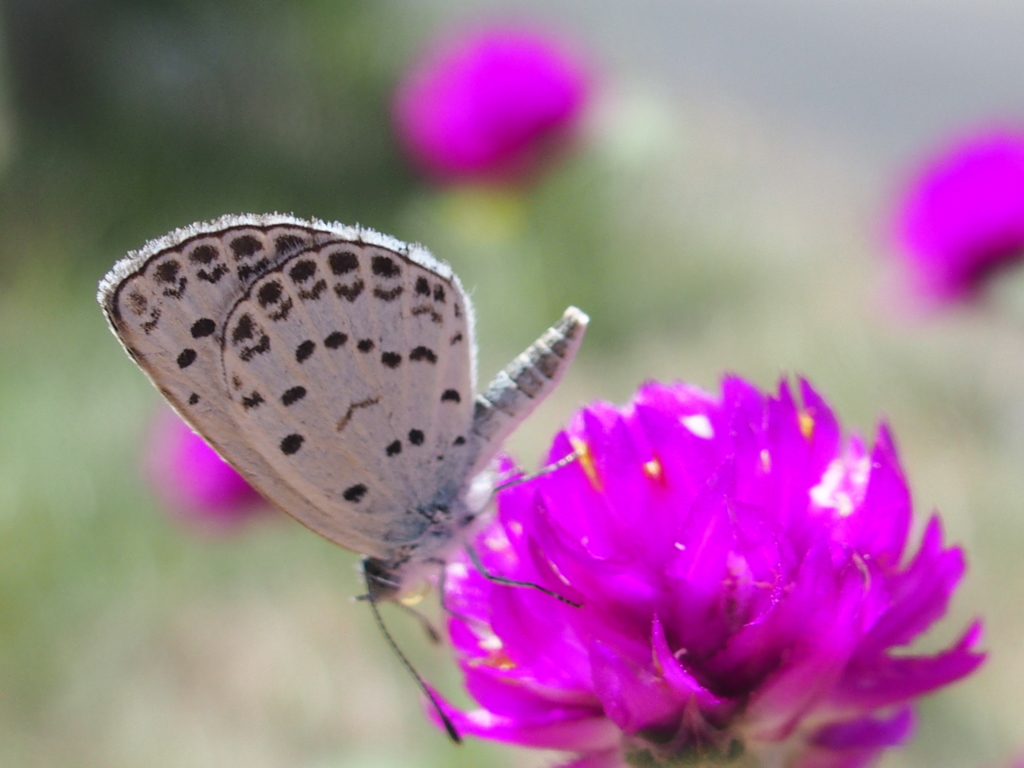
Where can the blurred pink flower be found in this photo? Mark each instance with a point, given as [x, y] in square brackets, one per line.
[746, 588]
[964, 215]
[485, 105]
[192, 480]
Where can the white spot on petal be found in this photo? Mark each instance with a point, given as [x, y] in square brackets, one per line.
[491, 643]
[700, 425]
[843, 485]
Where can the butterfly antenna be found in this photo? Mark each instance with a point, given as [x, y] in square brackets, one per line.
[475, 559]
[449, 726]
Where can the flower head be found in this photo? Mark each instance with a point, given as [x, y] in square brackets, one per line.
[744, 580]
[485, 105]
[191, 479]
[964, 215]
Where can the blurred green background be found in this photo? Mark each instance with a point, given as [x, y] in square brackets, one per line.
[707, 222]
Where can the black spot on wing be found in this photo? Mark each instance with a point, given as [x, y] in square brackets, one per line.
[384, 266]
[247, 271]
[365, 345]
[423, 353]
[391, 359]
[193, 399]
[435, 316]
[451, 396]
[272, 295]
[167, 271]
[439, 293]
[391, 295]
[293, 395]
[203, 254]
[252, 401]
[304, 350]
[245, 246]
[269, 293]
[343, 262]
[416, 436]
[186, 358]
[303, 270]
[394, 448]
[460, 440]
[292, 443]
[243, 329]
[212, 277]
[422, 286]
[203, 327]
[354, 493]
[350, 292]
[313, 293]
[455, 339]
[262, 347]
[335, 340]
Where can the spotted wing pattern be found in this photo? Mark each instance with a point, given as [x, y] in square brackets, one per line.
[348, 369]
[211, 298]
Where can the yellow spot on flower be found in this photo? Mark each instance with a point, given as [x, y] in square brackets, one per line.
[653, 470]
[496, 657]
[806, 425]
[586, 461]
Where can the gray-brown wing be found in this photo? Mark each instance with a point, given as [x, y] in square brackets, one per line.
[349, 369]
[168, 303]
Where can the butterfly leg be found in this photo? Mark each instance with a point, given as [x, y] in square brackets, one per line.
[556, 465]
[475, 559]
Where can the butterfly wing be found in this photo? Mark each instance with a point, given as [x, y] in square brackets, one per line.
[172, 304]
[349, 369]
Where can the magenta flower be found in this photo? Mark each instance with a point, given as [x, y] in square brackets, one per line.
[191, 479]
[745, 581]
[964, 215]
[487, 105]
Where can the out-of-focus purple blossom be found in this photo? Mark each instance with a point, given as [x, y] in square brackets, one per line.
[487, 104]
[192, 480]
[963, 216]
[746, 586]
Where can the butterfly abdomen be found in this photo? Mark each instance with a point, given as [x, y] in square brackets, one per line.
[524, 383]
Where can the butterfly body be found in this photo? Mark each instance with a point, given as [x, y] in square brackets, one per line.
[334, 368]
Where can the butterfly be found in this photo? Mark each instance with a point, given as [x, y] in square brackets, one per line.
[335, 368]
